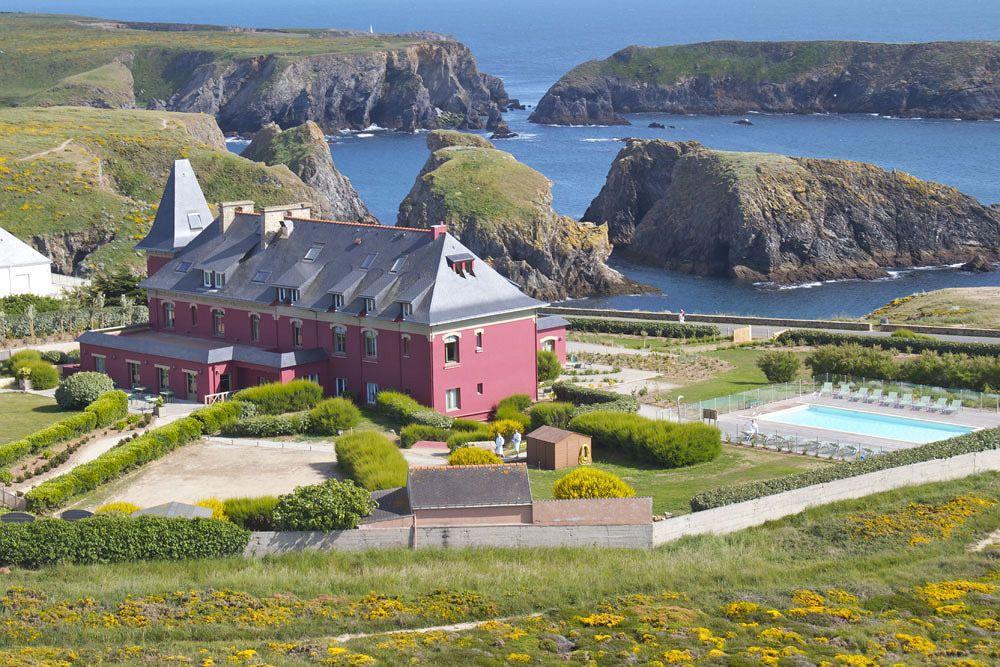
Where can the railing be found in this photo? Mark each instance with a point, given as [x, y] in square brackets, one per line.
[220, 397]
[12, 500]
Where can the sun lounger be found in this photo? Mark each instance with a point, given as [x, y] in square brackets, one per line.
[906, 401]
[844, 391]
[924, 402]
[939, 404]
[861, 394]
[827, 388]
[875, 396]
[891, 399]
[954, 406]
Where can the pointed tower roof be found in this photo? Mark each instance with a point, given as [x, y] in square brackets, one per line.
[183, 212]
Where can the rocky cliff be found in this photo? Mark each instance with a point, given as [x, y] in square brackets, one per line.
[249, 78]
[765, 217]
[502, 210]
[305, 152]
[934, 79]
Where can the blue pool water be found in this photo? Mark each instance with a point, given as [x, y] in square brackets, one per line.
[890, 427]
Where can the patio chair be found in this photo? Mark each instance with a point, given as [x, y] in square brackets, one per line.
[844, 391]
[953, 407]
[875, 396]
[860, 395]
[890, 399]
[924, 402]
[939, 404]
[827, 388]
[906, 401]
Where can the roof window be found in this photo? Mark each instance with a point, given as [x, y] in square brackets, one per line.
[369, 259]
[397, 265]
[183, 267]
[261, 277]
[195, 221]
[313, 252]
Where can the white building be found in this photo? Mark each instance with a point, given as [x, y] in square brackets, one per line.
[23, 270]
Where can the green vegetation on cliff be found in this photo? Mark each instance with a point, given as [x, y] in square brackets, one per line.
[969, 306]
[82, 184]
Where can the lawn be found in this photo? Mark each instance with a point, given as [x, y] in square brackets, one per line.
[744, 375]
[672, 489]
[654, 343]
[827, 586]
[968, 306]
[26, 413]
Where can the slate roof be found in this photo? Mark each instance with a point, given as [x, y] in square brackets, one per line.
[438, 487]
[551, 322]
[549, 434]
[176, 509]
[15, 252]
[182, 214]
[392, 504]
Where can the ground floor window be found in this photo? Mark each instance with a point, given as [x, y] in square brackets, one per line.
[163, 378]
[134, 377]
[453, 399]
[261, 379]
[100, 363]
[191, 385]
[479, 388]
[225, 383]
[371, 391]
[341, 388]
[549, 345]
[313, 377]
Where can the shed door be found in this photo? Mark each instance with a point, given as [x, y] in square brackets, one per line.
[21, 283]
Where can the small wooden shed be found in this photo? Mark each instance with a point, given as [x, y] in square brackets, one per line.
[551, 448]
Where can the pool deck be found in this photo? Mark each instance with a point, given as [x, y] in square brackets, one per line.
[739, 421]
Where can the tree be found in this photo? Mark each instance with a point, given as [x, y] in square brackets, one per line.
[779, 365]
[549, 368]
[331, 505]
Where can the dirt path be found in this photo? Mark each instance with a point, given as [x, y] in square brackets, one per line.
[454, 627]
[35, 156]
[988, 541]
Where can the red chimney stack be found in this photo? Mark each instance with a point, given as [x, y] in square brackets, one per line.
[438, 230]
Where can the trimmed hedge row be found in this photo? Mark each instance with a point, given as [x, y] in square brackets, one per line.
[371, 460]
[253, 513]
[130, 454]
[406, 410]
[664, 443]
[277, 398]
[268, 426]
[587, 399]
[638, 328]
[979, 441]
[902, 344]
[412, 433]
[118, 539]
[107, 409]
[459, 439]
[556, 413]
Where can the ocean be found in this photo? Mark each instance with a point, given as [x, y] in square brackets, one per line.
[530, 44]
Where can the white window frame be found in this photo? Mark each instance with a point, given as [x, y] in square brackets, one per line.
[480, 339]
[338, 300]
[369, 304]
[137, 379]
[297, 333]
[159, 377]
[370, 335]
[339, 336]
[254, 327]
[219, 332]
[219, 279]
[340, 387]
[452, 399]
[371, 392]
[407, 308]
[169, 315]
[457, 340]
[206, 278]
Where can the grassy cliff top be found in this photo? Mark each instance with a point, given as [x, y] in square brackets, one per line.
[289, 147]
[971, 306]
[42, 51]
[74, 170]
[779, 61]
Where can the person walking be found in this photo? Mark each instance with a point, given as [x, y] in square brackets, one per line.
[516, 439]
[498, 445]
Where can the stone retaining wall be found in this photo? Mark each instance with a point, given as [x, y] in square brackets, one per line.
[695, 318]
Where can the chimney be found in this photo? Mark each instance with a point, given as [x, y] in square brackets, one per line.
[287, 227]
[228, 211]
[439, 230]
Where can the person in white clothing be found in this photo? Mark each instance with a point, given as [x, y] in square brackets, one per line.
[499, 442]
[516, 439]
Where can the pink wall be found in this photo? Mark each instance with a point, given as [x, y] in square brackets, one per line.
[116, 360]
[592, 512]
[559, 333]
[466, 516]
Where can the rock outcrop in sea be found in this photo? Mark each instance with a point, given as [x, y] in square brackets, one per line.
[502, 210]
[932, 79]
[780, 219]
[304, 150]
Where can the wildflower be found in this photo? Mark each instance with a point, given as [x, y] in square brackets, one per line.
[601, 619]
[518, 658]
[740, 609]
[854, 660]
[915, 643]
[673, 656]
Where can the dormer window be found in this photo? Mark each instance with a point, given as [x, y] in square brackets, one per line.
[313, 252]
[406, 308]
[219, 279]
[462, 264]
[397, 265]
[369, 304]
[369, 259]
[206, 278]
[288, 295]
[213, 278]
[338, 301]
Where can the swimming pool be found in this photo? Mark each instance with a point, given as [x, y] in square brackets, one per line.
[872, 424]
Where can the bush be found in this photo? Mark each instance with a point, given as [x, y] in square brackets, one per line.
[405, 410]
[217, 506]
[556, 413]
[277, 398]
[663, 443]
[588, 400]
[473, 456]
[905, 344]
[591, 483]
[779, 365]
[412, 433]
[979, 441]
[460, 424]
[108, 408]
[332, 505]
[21, 357]
[461, 439]
[516, 402]
[251, 513]
[268, 426]
[81, 389]
[509, 414]
[505, 427]
[333, 415]
[371, 460]
[911, 335]
[43, 375]
[549, 368]
[643, 327]
[118, 507]
[118, 539]
[218, 416]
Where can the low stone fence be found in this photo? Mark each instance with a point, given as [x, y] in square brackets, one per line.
[592, 512]
[690, 318]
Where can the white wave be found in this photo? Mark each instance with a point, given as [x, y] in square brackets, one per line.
[375, 128]
[237, 140]
[364, 135]
[525, 135]
[599, 140]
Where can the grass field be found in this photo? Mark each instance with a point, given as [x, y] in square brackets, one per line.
[969, 306]
[672, 489]
[26, 413]
[887, 579]
[744, 375]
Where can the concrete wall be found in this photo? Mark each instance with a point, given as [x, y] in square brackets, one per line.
[593, 512]
[738, 516]
[695, 318]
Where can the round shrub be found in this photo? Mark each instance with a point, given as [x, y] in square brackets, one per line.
[549, 368]
[466, 425]
[117, 507]
[81, 389]
[217, 506]
[591, 483]
[473, 456]
[19, 357]
[371, 460]
[332, 416]
[277, 398]
[43, 375]
[332, 505]
[779, 365]
[556, 413]
[505, 427]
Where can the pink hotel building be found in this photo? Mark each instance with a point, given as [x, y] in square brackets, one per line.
[256, 296]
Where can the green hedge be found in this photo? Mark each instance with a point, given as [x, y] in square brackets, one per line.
[333, 415]
[638, 328]
[661, 442]
[268, 426]
[118, 539]
[82, 389]
[277, 398]
[412, 433]
[903, 344]
[129, 454]
[588, 400]
[459, 439]
[107, 409]
[331, 505]
[406, 410]
[556, 413]
[218, 416]
[372, 460]
[979, 441]
[256, 513]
